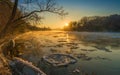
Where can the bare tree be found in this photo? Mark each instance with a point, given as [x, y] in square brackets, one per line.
[30, 10]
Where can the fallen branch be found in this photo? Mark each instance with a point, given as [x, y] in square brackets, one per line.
[17, 60]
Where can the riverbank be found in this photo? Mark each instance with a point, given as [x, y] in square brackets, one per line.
[4, 66]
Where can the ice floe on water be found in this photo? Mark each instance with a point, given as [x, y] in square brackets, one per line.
[58, 60]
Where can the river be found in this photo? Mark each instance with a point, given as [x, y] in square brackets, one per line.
[101, 50]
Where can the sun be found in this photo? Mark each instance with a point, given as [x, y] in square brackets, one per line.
[66, 24]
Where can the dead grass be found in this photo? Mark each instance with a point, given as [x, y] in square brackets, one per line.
[5, 71]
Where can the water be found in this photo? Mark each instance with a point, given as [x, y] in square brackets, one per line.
[101, 50]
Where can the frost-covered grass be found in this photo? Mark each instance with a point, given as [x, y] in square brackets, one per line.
[4, 68]
[5, 71]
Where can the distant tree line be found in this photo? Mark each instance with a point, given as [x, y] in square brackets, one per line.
[34, 28]
[96, 23]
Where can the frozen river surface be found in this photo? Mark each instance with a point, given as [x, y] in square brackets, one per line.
[97, 53]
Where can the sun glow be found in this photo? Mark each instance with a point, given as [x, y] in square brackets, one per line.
[66, 24]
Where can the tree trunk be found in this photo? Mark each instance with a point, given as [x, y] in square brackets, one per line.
[12, 17]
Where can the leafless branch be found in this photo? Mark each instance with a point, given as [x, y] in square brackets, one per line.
[40, 6]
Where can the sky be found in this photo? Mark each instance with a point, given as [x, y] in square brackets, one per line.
[80, 8]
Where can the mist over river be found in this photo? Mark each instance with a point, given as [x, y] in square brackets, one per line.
[101, 51]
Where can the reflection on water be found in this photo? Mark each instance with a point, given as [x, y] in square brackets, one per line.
[97, 53]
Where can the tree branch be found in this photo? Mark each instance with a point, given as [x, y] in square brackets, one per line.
[36, 11]
[22, 17]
